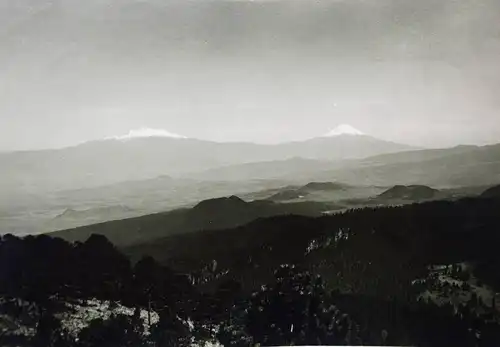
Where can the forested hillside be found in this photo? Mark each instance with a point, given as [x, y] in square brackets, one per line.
[413, 275]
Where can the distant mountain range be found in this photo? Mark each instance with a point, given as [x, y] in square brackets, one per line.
[111, 161]
[446, 168]
[162, 172]
[459, 166]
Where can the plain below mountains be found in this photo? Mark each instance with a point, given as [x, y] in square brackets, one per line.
[73, 218]
[23, 214]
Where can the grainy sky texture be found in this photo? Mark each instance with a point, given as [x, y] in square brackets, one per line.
[423, 72]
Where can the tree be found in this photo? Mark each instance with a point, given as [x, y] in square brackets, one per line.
[231, 309]
[49, 333]
[170, 331]
[294, 311]
[118, 331]
[227, 293]
[100, 269]
[147, 284]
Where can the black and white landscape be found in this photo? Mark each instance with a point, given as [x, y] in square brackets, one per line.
[249, 173]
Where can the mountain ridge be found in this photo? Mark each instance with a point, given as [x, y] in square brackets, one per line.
[111, 161]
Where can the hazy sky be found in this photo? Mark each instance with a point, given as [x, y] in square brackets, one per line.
[424, 72]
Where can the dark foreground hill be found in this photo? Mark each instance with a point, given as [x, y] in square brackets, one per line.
[420, 275]
[493, 192]
[210, 214]
[375, 251]
[379, 261]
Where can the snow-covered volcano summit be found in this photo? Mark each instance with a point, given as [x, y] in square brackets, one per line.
[344, 129]
[147, 132]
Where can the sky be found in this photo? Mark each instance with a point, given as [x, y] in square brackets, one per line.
[420, 72]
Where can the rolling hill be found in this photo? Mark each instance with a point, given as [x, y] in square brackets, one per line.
[316, 191]
[207, 215]
[413, 192]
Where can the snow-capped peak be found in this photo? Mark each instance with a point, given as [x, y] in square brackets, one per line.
[344, 129]
[147, 132]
